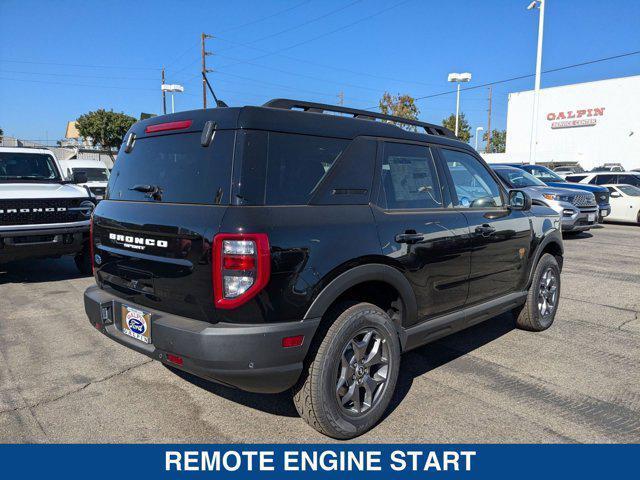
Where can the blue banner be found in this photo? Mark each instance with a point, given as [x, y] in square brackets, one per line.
[320, 461]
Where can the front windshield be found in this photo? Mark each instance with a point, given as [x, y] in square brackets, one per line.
[27, 166]
[629, 190]
[545, 175]
[516, 178]
[94, 174]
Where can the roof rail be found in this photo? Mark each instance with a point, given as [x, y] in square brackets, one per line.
[288, 104]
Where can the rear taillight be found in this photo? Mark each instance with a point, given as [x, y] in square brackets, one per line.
[93, 266]
[241, 267]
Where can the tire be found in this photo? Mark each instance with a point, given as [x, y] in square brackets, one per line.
[532, 315]
[333, 394]
[83, 260]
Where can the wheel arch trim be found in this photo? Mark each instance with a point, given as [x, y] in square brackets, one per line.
[361, 274]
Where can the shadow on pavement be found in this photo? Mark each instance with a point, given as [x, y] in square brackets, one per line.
[576, 236]
[39, 271]
[414, 364]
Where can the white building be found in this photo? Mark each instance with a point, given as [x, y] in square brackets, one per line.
[587, 123]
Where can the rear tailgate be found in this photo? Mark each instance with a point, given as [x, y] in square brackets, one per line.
[152, 246]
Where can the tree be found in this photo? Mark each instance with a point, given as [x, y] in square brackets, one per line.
[104, 128]
[1, 133]
[400, 106]
[498, 141]
[464, 130]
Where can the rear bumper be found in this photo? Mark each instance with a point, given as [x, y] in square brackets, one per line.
[249, 357]
[42, 242]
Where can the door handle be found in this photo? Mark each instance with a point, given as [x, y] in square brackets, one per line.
[409, 237]
[485, 229]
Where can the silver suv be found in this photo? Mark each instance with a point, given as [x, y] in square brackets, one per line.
[577, 209]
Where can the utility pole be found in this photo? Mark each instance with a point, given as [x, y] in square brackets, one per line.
[204, 54]
[164, 98]
[487, 148]
[341, 98]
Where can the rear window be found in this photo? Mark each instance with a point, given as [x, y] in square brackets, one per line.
[182, 169]
[94, 174]
[296, 164]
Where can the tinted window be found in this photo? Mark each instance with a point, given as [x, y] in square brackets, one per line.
[27, 166]
[408, 178]
[179, 166]
[630, 190]
[545, 175]
[94, 174]
[296, 164]
[474, 186]
[575, 178]
[629, 180]
[604, 179]
[516, 178]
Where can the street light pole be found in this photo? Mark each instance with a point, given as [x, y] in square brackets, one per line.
[457, 108]
[478, 129]
[172, 88]
[458, 78]
[540, 4]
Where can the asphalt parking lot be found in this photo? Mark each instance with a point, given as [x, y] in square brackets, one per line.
[579, 381]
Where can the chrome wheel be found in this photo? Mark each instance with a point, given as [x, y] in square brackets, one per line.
[547, 293]
[362, 372]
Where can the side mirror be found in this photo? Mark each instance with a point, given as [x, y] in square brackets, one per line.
[80, 177]
[519, 200]
[615, 195]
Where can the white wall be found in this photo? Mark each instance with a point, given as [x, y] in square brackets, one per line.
[612, 136]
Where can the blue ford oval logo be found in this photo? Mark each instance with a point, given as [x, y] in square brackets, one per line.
[136, 326]
[136, 323]
[98, 259]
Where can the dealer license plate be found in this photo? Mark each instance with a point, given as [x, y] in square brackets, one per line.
[136, 323]
[592, 217]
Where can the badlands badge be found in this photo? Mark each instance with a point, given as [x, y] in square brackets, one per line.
[136, 324]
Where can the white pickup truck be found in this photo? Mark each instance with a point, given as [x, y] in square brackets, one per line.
[42, 214]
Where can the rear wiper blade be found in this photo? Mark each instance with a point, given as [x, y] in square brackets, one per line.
[151, 191]
[145, 188]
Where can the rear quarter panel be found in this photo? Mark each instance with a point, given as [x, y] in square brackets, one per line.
[310, 245]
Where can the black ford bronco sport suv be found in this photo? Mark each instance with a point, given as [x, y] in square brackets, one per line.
[305, 246]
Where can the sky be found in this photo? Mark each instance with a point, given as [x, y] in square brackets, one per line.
[60, 59]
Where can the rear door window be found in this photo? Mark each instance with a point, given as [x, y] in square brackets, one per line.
[629, 180]
[181, 169]
[409, 178]
[296, 164]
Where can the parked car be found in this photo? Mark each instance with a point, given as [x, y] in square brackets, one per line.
[279, 247]
[577, 209]
[554, 180]
[42, 214]
[96, 171]
[609, 167]
[606, 178]
[625, 203]
[567, 170]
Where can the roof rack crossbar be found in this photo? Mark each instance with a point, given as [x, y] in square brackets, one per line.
[287, 104]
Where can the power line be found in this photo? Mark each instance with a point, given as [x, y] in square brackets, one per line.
[521, 77]
[286, 30]
[344, 27]
[275, 14]
[79, 65]
[107, 77]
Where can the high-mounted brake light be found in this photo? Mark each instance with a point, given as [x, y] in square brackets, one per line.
[241, 267]
[163, 127]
